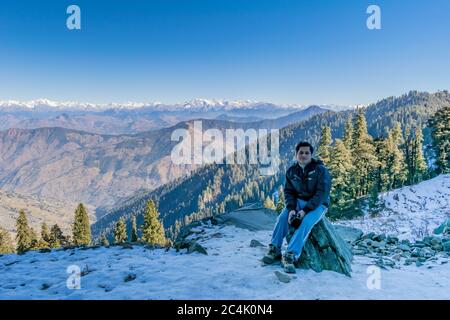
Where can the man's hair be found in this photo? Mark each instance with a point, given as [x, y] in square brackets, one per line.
[304, 144]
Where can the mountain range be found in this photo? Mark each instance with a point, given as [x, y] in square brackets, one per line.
[130, 118]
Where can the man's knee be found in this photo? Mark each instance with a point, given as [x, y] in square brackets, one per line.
[284, 215]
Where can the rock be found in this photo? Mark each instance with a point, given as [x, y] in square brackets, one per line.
[130, 277]
[45, 250]
[45, 286]
[349, 234]
[380, 237]
[255, 243]
[419, 244]
[404, 247]
[419, 264]
[360, 252]
[127, 246]
[282, 277]
[392, 239]
[325, 250]
[437, 247]
[443, 228]
[408, 262]
[446, 246]
[415, 252]
[427, 252]
[397, 257]
[196, 247]
[369, 235]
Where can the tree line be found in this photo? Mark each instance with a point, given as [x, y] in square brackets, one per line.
[49, 238]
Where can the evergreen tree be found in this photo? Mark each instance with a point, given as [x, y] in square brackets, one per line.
[323, 151]
[81, 228]
[6, 245]
[268, 203]
[57, 239]
[395, 162]
[134, 236]
[120, 232]
[45, 233]
[440, 130]
[348, 133]
[23, 236]
[280, 203]
[34, 240]
[364, 158]
[152, 229]
[419, 163]
[341, 167]
[104, 241]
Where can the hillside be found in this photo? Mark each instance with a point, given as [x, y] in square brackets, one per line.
[231, 182]
[38, 210]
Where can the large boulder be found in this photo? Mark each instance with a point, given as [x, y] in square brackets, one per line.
[325, 250]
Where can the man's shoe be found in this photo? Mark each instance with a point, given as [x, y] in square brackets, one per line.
[273, 255]
[288, 262]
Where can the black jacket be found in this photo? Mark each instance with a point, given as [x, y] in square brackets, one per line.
[313, 184]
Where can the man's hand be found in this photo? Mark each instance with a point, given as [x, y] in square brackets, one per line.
[292, 213]
[302, 214]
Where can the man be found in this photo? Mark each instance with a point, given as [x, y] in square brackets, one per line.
[307, 196]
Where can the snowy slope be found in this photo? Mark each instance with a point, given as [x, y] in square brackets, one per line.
[411, 212]
[231, 270]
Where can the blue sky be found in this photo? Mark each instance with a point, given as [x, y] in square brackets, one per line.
[281, 51]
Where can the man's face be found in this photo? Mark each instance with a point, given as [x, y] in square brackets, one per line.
[304, 155]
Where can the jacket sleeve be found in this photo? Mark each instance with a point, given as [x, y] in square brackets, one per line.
[290, 195]
[322, 192]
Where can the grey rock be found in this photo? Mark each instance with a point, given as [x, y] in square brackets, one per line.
[380, 237]
[349, 234]
[419, 264]
[129, 277]
[443, 228]
[255, 243]
[282, 277]
[325, 250]
[196, 247]
[392, 239]
[446, 246]
[404, 247]
[45, 286]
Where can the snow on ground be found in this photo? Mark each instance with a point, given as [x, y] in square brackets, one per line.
[411, 212]
[231, 270]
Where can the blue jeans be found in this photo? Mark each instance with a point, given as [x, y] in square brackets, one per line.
[300, 236]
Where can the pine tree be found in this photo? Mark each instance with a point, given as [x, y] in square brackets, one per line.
[348, 133]
[280, 203]
[395, 162]
[104, 241]
[323, 151]
[57, 239]
[81, 229]
[134, 236]
[120, 232]
[364, 158]
[268, 203]
[23, 236]
[341, 167]
[45, 233]
[440, 130]
[6, 245]
[419, 162]
[34, 240]
[152, 229]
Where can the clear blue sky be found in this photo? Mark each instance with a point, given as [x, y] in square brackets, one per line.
[282, 51]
